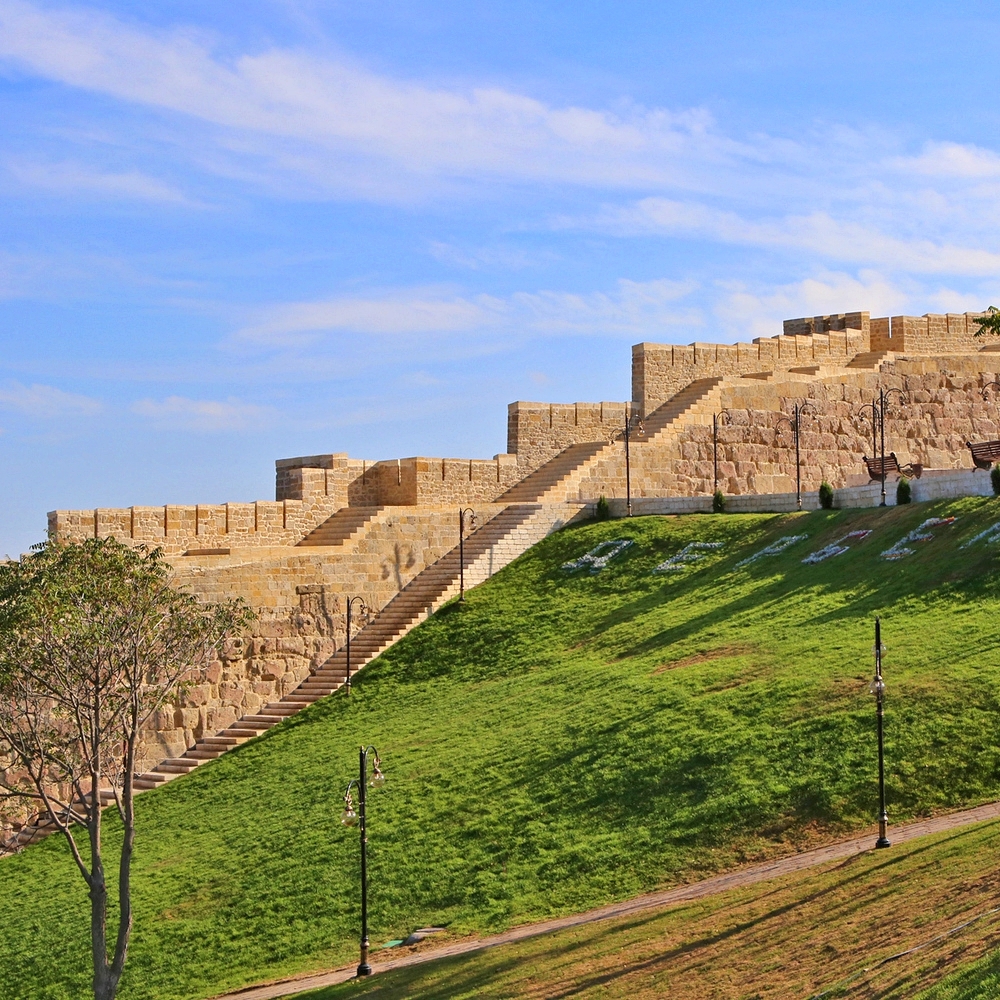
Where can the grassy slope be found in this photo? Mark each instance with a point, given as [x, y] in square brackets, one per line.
[543, 758]
[826, 931]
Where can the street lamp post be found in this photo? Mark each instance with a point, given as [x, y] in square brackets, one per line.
[727, 418]
[800, 408]
[461, 548]
[351, 818]
[351, 601]
[878, 406]
[625, 433]
[877, 688]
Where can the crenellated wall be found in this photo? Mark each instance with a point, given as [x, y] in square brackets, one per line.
[931, 333]
[660, 371]
[537, 432]
[835, 362]
[178, 529]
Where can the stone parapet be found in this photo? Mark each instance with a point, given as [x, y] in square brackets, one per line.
[537, 432]
[660, 371]
[178, 528]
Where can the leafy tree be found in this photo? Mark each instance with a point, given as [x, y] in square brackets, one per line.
[826, 495]
[989, 323]
[719, 502]
[93, 639]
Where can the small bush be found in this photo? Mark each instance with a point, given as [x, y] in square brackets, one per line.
[903, 492]
[995, 479]
[718, 502]
[826, 495]
[603, 510]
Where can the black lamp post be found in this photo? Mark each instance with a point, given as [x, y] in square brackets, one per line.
[351, 818]
[878, 407]
[461, 548]
[877, 688]
[800, 408]
[351, 601]
[625, 433]
[727, 418]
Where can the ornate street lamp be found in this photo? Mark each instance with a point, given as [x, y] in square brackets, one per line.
[877, 688]
[631, 421]
[461, 548]
[793, 424]
[878, 407]
[727, 418]
[351, 601]
[351, 818]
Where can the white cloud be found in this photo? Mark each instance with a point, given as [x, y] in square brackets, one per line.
[951, 159]
[46, 401]
[395, 314]
[632, 309]
[745, 313]
[73, 178]
[817, 233]
[320, 117]
[204, 415]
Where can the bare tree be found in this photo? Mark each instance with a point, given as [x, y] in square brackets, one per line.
[93, 639]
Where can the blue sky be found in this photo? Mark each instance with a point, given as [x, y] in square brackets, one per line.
[231, 233]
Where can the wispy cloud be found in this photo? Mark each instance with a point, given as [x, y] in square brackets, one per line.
[204, 415]
[74, 178]
[321, 115]
[744, 312]
[632, 309]
[45, 401]
[818, 233]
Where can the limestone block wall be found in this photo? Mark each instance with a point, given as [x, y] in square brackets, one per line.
[399, 543]
[181, 528]
[660, 371]
[756, 448]
[403, 481]
[311, 476]
[931, 333]
[537, 432]
[811, 325]
[299, 595]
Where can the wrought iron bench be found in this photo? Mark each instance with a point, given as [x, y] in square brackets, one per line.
[984, 453]
[892, 467]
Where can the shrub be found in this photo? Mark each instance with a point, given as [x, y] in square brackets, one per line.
[718, 502]
[995, 479]
[903, 492]
[826, 495]
[603, 510]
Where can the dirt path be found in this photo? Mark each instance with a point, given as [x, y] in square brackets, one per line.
[651, 901]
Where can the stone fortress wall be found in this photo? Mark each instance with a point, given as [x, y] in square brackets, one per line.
[407, 508]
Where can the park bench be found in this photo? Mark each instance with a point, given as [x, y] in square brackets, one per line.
[984, 453]
[890, 466]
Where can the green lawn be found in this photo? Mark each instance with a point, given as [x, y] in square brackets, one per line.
[882, 924]
[563, 741]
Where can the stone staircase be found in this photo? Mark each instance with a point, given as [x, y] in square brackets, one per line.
[487, 550]
[700, 398]
[342, 527]
[499, 541]
[871, 360]
[560, 478]
[554, 474]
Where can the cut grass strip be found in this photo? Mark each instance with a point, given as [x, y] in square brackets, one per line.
[837, 931]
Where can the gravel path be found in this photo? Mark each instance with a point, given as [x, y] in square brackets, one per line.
[651, 901]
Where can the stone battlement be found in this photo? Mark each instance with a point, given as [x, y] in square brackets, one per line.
[660, 371]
